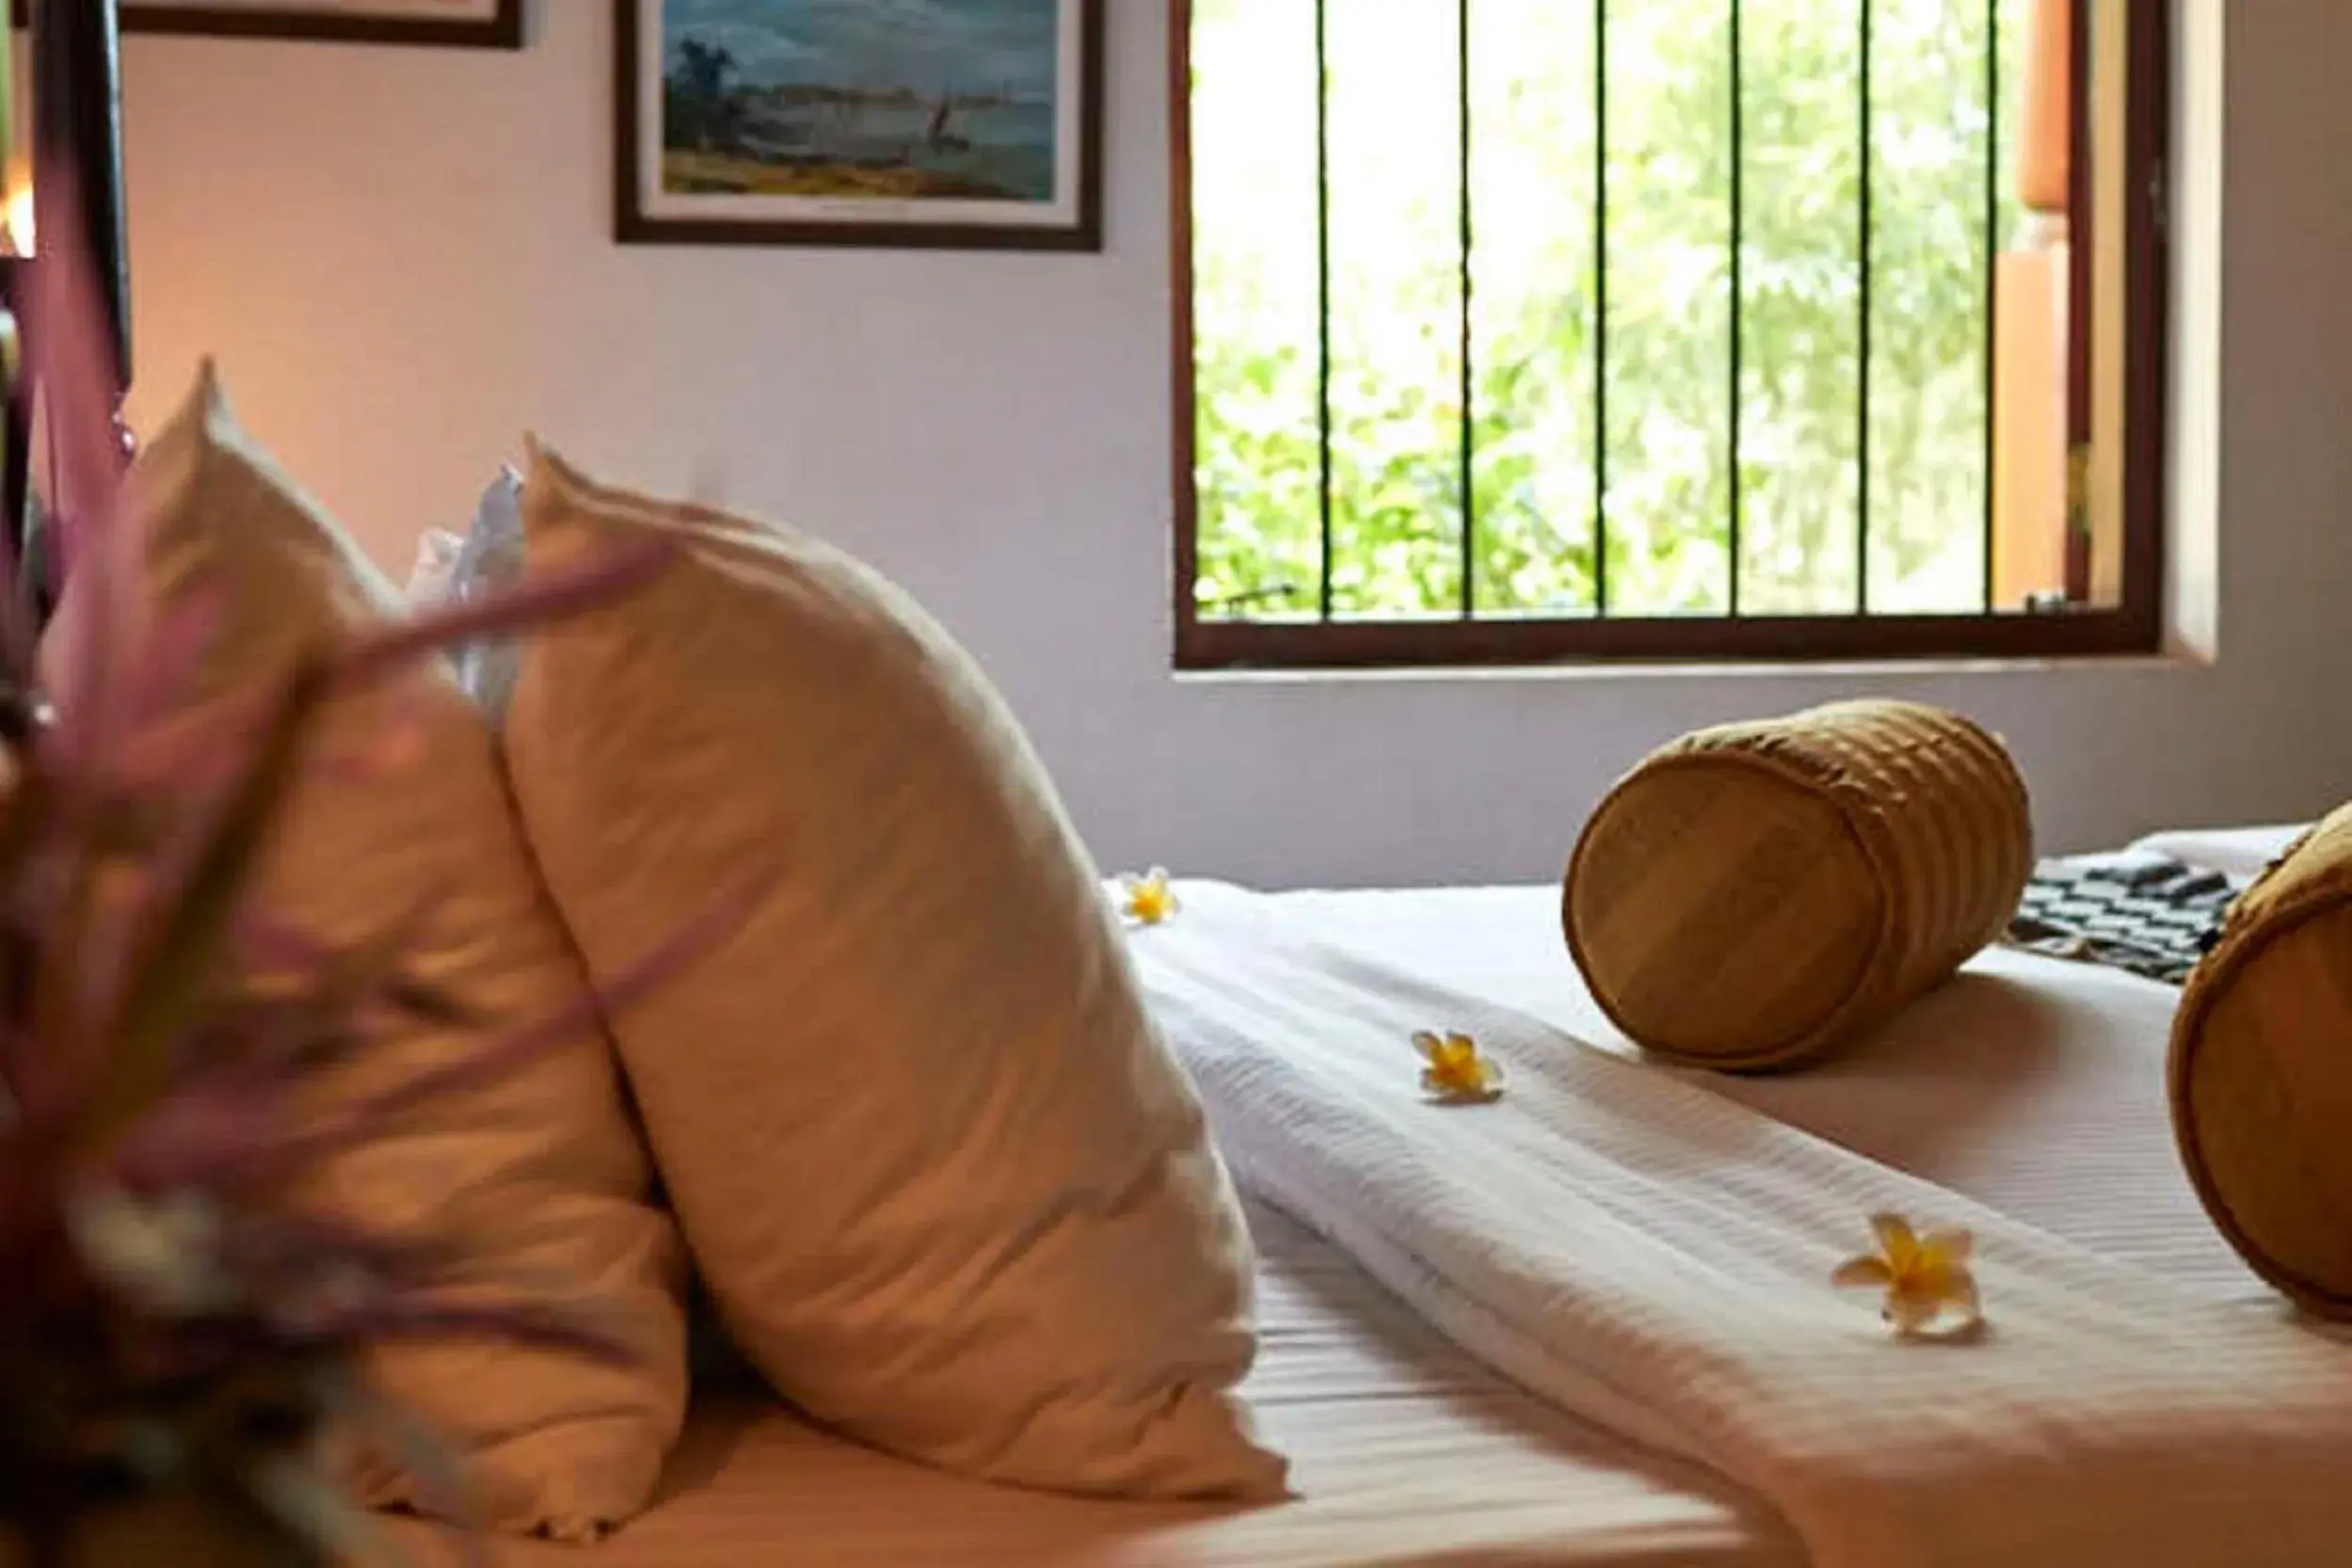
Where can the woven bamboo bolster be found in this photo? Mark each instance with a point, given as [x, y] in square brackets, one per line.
[2260, 1073]
[1752, 896]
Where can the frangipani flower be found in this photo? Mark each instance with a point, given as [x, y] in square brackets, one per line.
[1926, 1277]
[1150, 898]
[1456, 1073]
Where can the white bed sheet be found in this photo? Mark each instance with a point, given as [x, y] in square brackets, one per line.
[2031, 1084]
[1406, 1454]
[2237, 852]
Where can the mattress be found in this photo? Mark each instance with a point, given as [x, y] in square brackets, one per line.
[1404, 1452]
[2030, 1083]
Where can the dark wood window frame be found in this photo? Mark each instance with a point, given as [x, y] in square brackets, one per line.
[2133, 625]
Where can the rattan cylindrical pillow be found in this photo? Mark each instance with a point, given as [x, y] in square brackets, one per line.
[1752, 895]
[2262, 1072]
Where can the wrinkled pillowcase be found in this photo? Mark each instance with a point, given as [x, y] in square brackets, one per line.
[951, 1190]
[491, 559]
[430, 578]
[456, 568]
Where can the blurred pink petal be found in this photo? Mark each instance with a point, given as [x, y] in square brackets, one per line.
[214, 1135]
[267, 945]
[502, 1055]
[158, 680]
[544, 596]
[70, 353]
[178, 755]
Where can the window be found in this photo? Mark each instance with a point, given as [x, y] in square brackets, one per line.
[1524, 330]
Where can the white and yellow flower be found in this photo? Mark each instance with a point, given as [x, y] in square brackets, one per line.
[1925, 1278]
[1457, 1072]
[1148, 898]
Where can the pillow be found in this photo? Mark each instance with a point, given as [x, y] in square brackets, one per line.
[951, 1191]
[540, 1171]
[430, 578]
[1754, 895]
[491, 559]
[2261, 1072]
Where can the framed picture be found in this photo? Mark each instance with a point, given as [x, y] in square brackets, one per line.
[484, 24]
[969, 124]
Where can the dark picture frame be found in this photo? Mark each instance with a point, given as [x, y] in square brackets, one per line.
[331, 21]
[927, 181]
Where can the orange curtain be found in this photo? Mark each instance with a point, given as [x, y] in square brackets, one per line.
[2030, 288]
[2044, 138]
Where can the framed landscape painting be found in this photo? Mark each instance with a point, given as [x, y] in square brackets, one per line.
[955, 123]
[487, 24]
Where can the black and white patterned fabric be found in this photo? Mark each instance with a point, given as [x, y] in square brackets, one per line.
[2148, 914]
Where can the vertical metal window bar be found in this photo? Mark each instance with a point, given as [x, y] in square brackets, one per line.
[2081, 268]
[1862, 385]
[1469, 434]
[1739, 315]
[1600, 309]
[1322, 301]
[1992, 242]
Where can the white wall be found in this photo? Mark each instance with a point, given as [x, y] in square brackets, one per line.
[401, 257]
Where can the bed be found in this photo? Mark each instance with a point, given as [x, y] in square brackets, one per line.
[1582, 1331]
[1591, 1326]
[2030, 1085]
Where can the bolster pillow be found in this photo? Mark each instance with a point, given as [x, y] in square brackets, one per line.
[1753, 896]
[2260, 1073]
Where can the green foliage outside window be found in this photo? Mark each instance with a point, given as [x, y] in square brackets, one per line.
[1396, 302]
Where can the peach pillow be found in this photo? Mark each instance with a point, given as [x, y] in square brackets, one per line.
[540, 1172]
[951, 1190]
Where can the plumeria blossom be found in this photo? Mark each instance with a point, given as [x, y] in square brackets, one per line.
[1148, 898]
[1925, 1278]
[1457, 1072]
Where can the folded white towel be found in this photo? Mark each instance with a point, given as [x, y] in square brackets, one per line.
[1656, 1256]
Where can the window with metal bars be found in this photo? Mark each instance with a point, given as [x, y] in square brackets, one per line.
[1524, 330]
